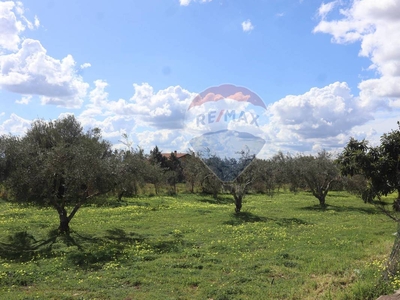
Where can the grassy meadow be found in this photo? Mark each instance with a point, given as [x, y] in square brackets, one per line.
[195, 247]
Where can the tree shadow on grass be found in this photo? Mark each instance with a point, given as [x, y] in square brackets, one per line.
[290, 222]
[70, 241]
[96, 252]
[138, 203]
[167, 246]
[119, 235]
[244, 217]
[337, 195]
[366, 210]
[87, 252]
[219, 200]
[22, 246]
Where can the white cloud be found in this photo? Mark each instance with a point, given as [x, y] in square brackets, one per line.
[325, 8]
[376, 24]
[187, 2]
[184, 2]
[10, 27]
[15, 125]
[85, 65]
[112, 127]
[19, 8]
[24, 100]
[12, 24]
[167, 140]
[163, 109]
[37, 22]
[319, 113]
[247, 26]
[98, 96]
[156, 115]
[31, 71]
[322, 118]
[27, 69]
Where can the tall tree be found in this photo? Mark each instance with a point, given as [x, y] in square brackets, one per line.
[155, 169]
[380, 166]
[192, 170]
[156, 157]
[173, 172]
[130, 167]
[58, 164]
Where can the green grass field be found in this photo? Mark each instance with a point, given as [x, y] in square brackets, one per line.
[194, 247]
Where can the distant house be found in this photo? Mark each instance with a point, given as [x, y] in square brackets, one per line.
[179, 156]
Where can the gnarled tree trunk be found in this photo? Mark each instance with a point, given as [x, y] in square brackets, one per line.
[238, 190]
[64, 224]
[238, 202]
[64, 218]
[321, 199]
[394, 258]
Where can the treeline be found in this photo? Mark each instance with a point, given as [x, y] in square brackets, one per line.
[58, 160]
[57, 163]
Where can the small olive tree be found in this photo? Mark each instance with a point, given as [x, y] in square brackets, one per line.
[319, 172]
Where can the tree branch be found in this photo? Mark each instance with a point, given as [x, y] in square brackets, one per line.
[387, 213]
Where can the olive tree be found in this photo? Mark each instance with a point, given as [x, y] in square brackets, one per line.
[241, 185]
[192, 170]
[319, 172]
[379, 168]
[130, 167]
[57, 164]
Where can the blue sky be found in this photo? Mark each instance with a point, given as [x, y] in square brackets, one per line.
[326, 70]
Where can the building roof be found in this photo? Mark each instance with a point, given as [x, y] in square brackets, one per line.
[177, 154]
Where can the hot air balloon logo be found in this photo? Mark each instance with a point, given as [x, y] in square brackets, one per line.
[224, 125]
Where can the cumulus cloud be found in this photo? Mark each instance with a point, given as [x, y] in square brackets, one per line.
[376, 24]
[164, 109]
[247, 26]
[112, 127]
[320, 116]
[12, 24]
[27, 69]
[150, 117]
[15, 125]
[98, 98]
[167, 140]
[32, 71]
